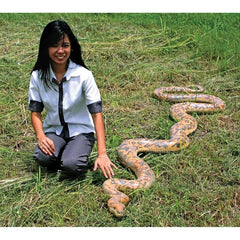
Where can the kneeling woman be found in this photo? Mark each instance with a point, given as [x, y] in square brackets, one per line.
[61, 83]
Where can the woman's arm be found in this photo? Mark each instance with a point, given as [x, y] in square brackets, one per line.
[44, 143]
[102, 160]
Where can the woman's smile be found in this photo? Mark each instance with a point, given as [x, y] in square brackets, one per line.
[60, 58]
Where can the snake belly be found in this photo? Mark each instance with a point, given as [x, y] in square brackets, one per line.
[188, 100]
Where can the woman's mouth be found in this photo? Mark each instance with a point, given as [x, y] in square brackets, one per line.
[60, 57]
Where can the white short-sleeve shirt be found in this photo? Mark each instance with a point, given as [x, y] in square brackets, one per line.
[71, 102]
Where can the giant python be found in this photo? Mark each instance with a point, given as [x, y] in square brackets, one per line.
[194, 100]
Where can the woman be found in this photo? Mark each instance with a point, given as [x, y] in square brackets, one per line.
[61, 83]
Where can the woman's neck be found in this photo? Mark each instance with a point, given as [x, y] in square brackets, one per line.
[59, 70]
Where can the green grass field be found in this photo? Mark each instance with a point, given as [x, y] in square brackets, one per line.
[130, 55]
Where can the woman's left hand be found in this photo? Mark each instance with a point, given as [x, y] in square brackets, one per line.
[105, 164]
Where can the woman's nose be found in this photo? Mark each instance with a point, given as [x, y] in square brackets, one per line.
[60, 49]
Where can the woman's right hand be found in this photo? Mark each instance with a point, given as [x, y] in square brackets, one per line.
[46, 145]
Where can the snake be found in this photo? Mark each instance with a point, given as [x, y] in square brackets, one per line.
[187, 99]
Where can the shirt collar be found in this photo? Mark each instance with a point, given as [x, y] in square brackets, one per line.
[71, 71]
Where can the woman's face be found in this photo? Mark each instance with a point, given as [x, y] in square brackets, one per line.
[60, 52]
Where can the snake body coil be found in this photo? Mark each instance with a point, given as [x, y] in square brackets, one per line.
[179, 132]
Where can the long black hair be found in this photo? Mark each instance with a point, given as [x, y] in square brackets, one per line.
[52, 34]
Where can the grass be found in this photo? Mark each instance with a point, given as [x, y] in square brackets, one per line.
[130, 55]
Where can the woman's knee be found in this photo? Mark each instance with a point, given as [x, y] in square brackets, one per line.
[43, 159]
[46, 160]
[74, 166]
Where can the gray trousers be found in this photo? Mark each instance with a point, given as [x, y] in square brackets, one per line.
[71, 154]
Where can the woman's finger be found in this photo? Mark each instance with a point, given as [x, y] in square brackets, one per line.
[112, 164]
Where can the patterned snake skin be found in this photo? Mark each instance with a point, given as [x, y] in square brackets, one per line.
[179, 132]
